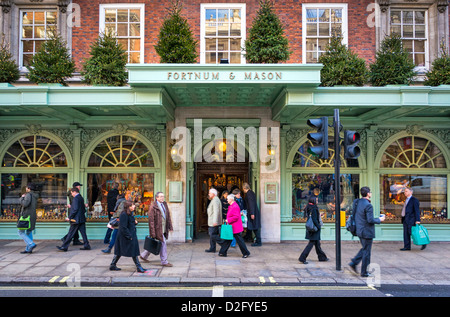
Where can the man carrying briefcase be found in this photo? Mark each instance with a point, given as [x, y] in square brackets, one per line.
[159, 223]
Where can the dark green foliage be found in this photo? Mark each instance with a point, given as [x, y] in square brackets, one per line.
[106, 65]
[341, 66]
[52, 63]
[9, 72]
[440, 70]
[176, 43]
[393, 65]
[266, 42]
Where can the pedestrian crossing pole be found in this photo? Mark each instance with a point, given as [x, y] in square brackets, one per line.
[337, 186]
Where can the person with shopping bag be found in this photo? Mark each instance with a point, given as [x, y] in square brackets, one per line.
[234, 219]
[410, 218]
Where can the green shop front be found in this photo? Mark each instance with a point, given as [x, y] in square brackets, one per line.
[53, 136]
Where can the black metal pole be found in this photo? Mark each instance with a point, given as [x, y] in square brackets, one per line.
[337, 187]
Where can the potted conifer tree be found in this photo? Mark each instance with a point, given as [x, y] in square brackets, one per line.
[393, 65]
[9, 71]
[341, 66]
[176, 43]
[266, 42]
[440, 70]
[52, 63]
[106, 64]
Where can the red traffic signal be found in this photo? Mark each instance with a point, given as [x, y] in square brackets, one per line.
[351, 148]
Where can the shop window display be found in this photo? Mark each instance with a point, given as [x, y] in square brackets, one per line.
[322, 185]
[137, 187]
[51, 188]
[431, 190]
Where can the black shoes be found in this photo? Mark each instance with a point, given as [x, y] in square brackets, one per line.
[86, 248]
[405, 249]
[423, 247]
[210, 251]
[61, 249]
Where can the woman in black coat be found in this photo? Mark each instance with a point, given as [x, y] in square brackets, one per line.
[127, 243]
[313, 237]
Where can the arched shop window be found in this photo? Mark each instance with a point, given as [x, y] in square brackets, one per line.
[315, 176]
[123, 160]
[420, 164]
[39, 160]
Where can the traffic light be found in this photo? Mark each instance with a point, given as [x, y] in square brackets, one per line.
[351, 148]
[319, 138]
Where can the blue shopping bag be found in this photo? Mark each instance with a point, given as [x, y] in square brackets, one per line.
[226, 232]
[419, 235]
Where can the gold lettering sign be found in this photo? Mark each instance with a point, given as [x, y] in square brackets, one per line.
[250, 76]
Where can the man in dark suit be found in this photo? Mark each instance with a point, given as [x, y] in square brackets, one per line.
[410, 217]
[77, 221]
[253, 214]
[365, 229]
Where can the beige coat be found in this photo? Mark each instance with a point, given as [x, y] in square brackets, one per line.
[214, 212]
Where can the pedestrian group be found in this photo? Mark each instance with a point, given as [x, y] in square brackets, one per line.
[242, 214]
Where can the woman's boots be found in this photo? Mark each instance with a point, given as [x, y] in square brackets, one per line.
[113, 266]
[139, 268]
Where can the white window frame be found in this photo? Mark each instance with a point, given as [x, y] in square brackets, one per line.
[419, 69]
[21, 39]
[204, 7]
[140, 6]
[306, 6]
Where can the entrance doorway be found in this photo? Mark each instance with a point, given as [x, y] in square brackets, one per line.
[221, 176]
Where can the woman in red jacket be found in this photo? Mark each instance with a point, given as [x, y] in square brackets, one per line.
[235, 220]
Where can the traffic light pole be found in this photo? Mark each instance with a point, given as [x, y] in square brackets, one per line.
[337, 186]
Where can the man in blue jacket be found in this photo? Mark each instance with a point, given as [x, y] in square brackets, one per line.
[365, 230]
[410, 217]
[77, 221]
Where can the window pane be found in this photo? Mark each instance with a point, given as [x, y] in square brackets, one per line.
[27, 32]
[39, 17]
[420, 31]
[27, 46]
[235, 29]
[210, 58]
[431, 190]
[27, 17]
[235, 58]
[324, 15]
[223, 29]
[419, 17]
[39, 32]
[396, 29]
[235, 44]
[408, 17]
[136, 187]
[135, 57]
[419, 46]
[323, 44]
[51, 191]
[211, 15]
[110, 15]
[210, 44]
[224, 15]
[135, 15]
[396, 17]
[311, 15]
[222, 45]
[51, 17]
[122, 15]
[324, 29]
[135, 29]
[408, 31]
[408, 45]
[122, 29]
[135, 45]
[305, 185]
[124, 43]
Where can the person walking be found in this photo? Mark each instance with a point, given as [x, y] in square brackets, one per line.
[235, 220]
[76, 236]
[159, 223]
[410, 218]
[118, 208]
[111, 200]
[253, 214]
[365, 229]
[77, 219]
[28, 201]
[214, 212]
[312, 211]
[127, 243]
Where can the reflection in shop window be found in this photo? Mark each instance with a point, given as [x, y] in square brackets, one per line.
[137, 187]
[322, 185]
[430, 190]
[51, 188]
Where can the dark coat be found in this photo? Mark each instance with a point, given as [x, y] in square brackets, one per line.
[315, 215]
[111, 200]
[78, 209]
[29, 203]
[155, 222]
[412, 212]
[127, 243]
[364, 220]
[252, 209]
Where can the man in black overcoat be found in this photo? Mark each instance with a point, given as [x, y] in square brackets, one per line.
[77, 221]
[410, 217]
[253, 215]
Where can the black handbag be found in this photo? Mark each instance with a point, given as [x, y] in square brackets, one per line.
[114, 222]
[152, 245]
[310, 225]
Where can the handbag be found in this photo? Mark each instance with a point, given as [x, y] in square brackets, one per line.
[310, 226]
[419, 235]
[226, 232]
[152, 245]
[24, 223]
[114, 222]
